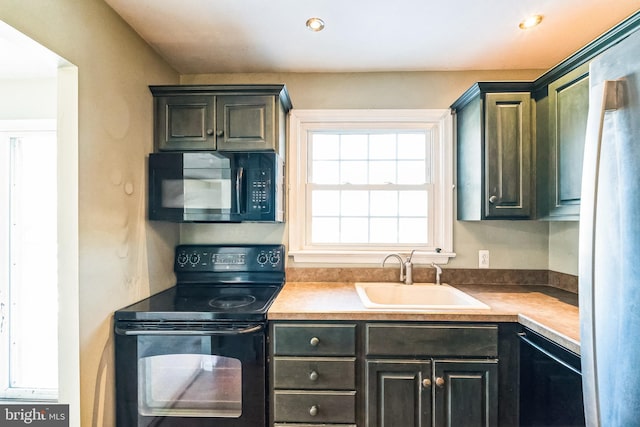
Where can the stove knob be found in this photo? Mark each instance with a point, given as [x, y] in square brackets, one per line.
[262, 258]
[182, 259]
[194, 259]
[274, 258]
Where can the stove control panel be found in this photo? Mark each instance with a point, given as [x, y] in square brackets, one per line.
[214, 258]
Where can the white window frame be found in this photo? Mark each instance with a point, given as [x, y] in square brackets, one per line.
[8, 392]
[303, 122]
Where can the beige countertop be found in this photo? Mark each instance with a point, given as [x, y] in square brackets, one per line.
[547, 310]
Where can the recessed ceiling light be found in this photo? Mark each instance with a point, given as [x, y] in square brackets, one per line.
[315, 24]
[530, 22]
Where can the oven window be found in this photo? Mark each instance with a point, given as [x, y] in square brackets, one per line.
[190, 385]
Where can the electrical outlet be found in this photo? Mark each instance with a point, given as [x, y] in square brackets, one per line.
[483, 258]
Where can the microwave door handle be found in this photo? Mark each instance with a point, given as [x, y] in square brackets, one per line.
[239, 192]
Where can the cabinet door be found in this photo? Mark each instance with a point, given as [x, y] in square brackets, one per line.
[398, 393]
[466, 393]
[185, 123]
[246, 123]
[568, 110]
[507, 155]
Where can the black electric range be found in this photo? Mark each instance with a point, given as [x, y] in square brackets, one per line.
[195, 354]
[216, 283]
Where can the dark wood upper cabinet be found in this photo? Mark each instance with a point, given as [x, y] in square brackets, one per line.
[220, 117]
[568, 107]
[494, 151]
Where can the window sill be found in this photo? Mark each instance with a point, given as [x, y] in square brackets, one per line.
[365, 257]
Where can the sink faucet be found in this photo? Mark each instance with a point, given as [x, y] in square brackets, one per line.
[406, 267]
[438, 272]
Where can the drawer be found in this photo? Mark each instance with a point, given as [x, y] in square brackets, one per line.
[308, 373]
[315, 407]
[431, 340]
[314, 339]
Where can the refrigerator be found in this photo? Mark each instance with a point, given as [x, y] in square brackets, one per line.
[609, 240]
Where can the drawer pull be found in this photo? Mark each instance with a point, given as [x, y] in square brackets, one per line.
[313, 376]
[314, 341]
[440, 381]
[313, 411]
[426, 383]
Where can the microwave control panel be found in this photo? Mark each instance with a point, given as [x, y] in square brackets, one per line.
[259, 190]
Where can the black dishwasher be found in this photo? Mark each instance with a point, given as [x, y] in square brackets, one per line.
[550, 384]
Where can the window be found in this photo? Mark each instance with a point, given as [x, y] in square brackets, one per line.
[368, 182]
[28, 289]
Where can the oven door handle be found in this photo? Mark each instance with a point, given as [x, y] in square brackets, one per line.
[188, 332]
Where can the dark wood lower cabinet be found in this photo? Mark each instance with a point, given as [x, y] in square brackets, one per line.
[398, 393]
[421, 393]
[393, 374]
[466, 393]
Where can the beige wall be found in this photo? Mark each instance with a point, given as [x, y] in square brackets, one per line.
[122, 258]
[512, 244]
[563, 247]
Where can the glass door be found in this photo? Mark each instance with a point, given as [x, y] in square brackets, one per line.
[180, 378]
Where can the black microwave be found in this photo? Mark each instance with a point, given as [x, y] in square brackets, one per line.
[216, 187]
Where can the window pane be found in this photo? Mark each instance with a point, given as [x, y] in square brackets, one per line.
[382, 146]
[413, 203]
[413, 230]
[384, 230]
[411, 146]
[354, 230]
[354, 147]
[412, 172]
[325, 203]
[352, 172]
[355, 203]
[382, 172]
[33, 308]
[325, 172]
[325, 146]
[384, 203]
[325, 230]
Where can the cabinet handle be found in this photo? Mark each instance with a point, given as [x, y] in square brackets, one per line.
[220, 133]
[313, 376]
[426, 383]
[314, 341]
[440, 381]
[493, 199]
[313, 411]
[209, 132]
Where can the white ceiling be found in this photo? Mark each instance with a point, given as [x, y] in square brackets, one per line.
[23, 58]
[214, 36]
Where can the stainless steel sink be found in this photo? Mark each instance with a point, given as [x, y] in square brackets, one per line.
[419, 296]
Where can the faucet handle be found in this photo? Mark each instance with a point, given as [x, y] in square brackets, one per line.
[438, 272]
[410, 255]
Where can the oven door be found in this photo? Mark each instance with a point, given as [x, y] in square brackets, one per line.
[190, 374]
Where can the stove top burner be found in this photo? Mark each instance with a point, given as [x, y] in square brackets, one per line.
[232, 301]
